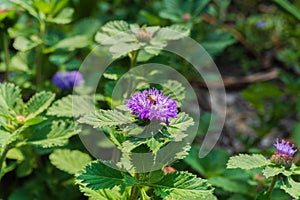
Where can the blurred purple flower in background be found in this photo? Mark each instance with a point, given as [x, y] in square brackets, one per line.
[68, 79]
[151, 104]
[260, 24]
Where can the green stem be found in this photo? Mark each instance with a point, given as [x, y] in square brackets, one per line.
[40, 56]
[135, 191]
[133, 57]
[6, 54]
[3, 156]
[270, 190]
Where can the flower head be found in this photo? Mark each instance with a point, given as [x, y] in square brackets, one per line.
[284, 153]
[151, 104]
[284, 148]
[68, 79]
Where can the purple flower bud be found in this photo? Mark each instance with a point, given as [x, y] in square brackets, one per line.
[284, 153]
[151, 104]
[67, 80]
[260, 24]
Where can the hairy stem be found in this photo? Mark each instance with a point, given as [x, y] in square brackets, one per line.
[135, 191]
[133, 57]
[6, 54]
[270, 190]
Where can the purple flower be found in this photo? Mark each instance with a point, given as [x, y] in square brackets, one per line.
[284, 148]
[284, 154]
[151, 104]
[68, 79]
[260, 24]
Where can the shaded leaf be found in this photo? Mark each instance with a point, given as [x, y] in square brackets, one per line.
[56, 135]
[230, 185]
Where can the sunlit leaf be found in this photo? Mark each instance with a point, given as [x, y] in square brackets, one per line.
[70, 161]
[71, 106]
[103, 118]
[245, 161]
[182, 185]
[38, 104]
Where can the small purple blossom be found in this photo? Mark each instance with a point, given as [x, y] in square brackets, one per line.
[260, 24]
[68, 79]
[151, 104]
[285, 148]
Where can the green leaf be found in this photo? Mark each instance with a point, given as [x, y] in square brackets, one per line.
[292, 188]
[19, 62]
[59, 5]
[38, 103]
[122, 49]
[35, 120]
[180, 124]
[71, 106]
[215, 42]
[104, 194]
[64, 17]
[4, 139]
[272, 171]
[51, 135]
[256, 93]
[69, 161]
[245, 161]
[23, 44]
[104, 118]
[75, 42]
[230, 185]
[214, 164]
[182, 185]
[173, 32]
[115, 27]
[10, 98]
[99, 176]
[27, 7]
[86, 26]
[296, 131]
[289, 7]
[174, 90]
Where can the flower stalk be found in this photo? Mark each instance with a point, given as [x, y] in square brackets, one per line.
[271, 188]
